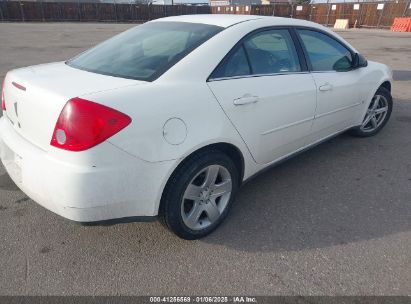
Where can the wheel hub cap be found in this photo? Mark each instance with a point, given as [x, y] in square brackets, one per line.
[205, 195]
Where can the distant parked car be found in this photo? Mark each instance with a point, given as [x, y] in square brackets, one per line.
[169, 118]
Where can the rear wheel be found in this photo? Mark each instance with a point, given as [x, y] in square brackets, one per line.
[377, 115]
[199, 194]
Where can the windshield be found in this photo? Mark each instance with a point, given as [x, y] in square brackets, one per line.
[145, 51]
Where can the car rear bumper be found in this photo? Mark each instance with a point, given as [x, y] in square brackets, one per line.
[99, 184]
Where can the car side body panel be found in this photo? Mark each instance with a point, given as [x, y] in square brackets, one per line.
[172, 117]
[190, 103]
[373, 76]
[280, 118]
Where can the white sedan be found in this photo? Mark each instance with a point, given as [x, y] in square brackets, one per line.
[169, 118]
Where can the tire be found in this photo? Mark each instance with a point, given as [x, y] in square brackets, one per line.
[190, 194]
[374, 126]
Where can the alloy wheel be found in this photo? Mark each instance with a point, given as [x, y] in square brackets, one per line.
[206, 197]
[376, 113]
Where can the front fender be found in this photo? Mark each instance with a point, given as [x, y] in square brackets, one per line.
[373, 76]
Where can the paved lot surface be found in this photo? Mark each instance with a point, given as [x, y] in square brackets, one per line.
[335, 220]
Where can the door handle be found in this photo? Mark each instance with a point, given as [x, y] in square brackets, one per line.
[245, 99]
[325, 87]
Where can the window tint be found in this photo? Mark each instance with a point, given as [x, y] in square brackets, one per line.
[235, 65]
[146, 51]
[272, 51]
[266, 52]
[324, 52]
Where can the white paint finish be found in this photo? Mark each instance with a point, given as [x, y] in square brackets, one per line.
[152, 105]
[103, 178]
[214, 19]
[336, 107]
[48, 88]
[133, 166]
[270, 127]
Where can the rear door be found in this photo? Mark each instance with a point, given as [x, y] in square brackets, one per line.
[265, 90]
[338, 94]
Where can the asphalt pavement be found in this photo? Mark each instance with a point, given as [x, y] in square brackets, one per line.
[335, 220]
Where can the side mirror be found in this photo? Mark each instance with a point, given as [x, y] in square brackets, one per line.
[359, 61]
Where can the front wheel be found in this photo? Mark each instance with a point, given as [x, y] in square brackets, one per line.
[377, 115]
[199, 194]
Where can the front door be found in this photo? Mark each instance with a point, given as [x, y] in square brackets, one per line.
[338, 96]
[266, 94]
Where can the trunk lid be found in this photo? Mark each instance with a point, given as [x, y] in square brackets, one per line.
[36, 95]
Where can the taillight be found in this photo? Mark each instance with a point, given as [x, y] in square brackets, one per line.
[3, 100]
[83, 124]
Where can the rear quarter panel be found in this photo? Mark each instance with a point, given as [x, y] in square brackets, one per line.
[152, 105]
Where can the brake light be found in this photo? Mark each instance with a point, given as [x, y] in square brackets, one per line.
[83, 124]
[3, 100]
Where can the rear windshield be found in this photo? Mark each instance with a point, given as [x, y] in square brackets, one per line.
[145, 51]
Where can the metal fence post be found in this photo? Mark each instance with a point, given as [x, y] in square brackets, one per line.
[131, 12]
[60, 17]
[328, 14]
[149, 12]
[42, 10]
[1, 12]
[7, 14]
[381, 14]
[311, 12]
[22, 11]
[406, 8]
[273, 9]
[360, 18]
[98, 11]
[79, 10]
[115, 11]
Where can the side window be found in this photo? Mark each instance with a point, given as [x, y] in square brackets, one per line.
[325, 53]
[235, 65]
[266, 52]
[272, 51]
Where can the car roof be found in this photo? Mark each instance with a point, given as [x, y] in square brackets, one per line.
[227, 20]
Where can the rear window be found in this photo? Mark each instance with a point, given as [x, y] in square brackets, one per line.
[146, 51]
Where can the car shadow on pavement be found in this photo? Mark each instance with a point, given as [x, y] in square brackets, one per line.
[345, 190]
[342, 191]
[6, 183]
